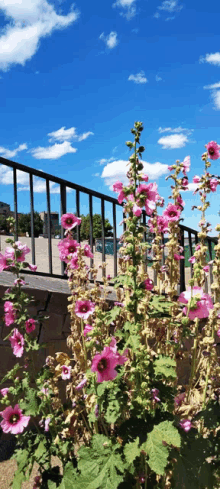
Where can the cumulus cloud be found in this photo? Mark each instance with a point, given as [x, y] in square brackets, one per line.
[215, 94]
[39, 185]
[117, 170]
[213, 59]
[139, 78]
[7, 153]
[70, 134]
[27, 23]
[85, 135]
[128, 8]
[212, 87]
[105, 160]
[111, 40]
[173, 141]
[176, 130]
[171, 6]
[191, 187]
[53, 152]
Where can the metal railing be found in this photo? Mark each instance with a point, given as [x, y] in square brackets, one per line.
[64, 185]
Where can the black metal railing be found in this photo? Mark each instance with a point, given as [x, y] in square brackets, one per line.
[191, 238]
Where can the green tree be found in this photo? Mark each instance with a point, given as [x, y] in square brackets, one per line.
[24, 224]
[4, 225]
[97, 227]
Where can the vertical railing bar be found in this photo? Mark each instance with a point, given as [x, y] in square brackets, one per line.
[78, 215]
[62, 211]
[210, 257]
[196, 237]
[144, 224]
[91, 230]
[115, 240]
[32, 218]
[49, 226]
[103, 233]
[124, 223]
[191, 252]
[15, 202]
[182, 263]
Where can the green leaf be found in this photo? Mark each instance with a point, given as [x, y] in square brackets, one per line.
[30, 405]
[51, 484]
[112, 315]
[131, 451]
[113, 411]
[165, 367]
[41, 451]
[19, 477]
[155, 447]
[101, 465]
[69, 477]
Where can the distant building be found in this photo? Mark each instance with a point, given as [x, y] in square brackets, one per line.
[5, 209]
[54, 223]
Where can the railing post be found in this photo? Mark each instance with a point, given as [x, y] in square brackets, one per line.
[182, 263]
[49, 226]
[62, 211]
[15, 202]
[32, 218]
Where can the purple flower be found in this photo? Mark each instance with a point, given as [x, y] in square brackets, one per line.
[186, 425]
[81, 384]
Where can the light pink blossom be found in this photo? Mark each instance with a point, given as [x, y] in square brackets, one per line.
[171, 213]
[3, 263]
[69, 221]
[121, 197]
[104, 364]
[19, 281]
[137, 211]
[185, 183]
[203, 306]
[46, 424]
[144, 177]
[117, 186]
[179, 398]
[148, 284]
[180, 201]
[21, 251]
[74, 264]
[33, 268]
[186, 164]
[88, 328]
[30, 325]
[197, 248]
[66, 372]
[81, 384]
[218, 333]
[206, 268]
[213, 150]
[196, 179]
[186, 425]
[17, 343]
[150, 207]
[13, 420]
[192, 259]
[83, 309]
[10, 313]
[213, 183]
[88, 252]
[155, 395]
[4, 391]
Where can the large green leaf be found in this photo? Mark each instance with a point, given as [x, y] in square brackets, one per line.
[69, 476]
[30, 405]
[112, 315]
[156, 446]
[113, 411]
[132, 450]
[165, 367]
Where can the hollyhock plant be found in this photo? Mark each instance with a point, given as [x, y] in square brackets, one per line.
[213, 183]
[10, 313]
[121, 197]
[14, 421]
[70, 221]
[180, 202]
[66, 372]
[196, 179]
[104, 364]
[203, 305]
[83, 309]
[162, 225]
[171, 213]
[30, 325]
[17, 343]
[213, 150]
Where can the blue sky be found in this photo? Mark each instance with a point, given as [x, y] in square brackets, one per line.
[74, 78]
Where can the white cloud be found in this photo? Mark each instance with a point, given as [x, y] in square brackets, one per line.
[7, 153]
[173, 141]
[53, 152]
[64, 134]
[39, 185]
[216, 99]
[6, 176]
[171, 6]
[170, 18]
[139, 78]
[213, 59]
[175, 130]
[105, 160]
[28, 22]
[212, 87]
[128, 8]
[158, 78]
[111, 40]
[191, 187]
[117, 170]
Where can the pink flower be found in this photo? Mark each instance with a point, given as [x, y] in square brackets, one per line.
[19, 281]
[179, 398]
[10, 313]
[87, 251]
[137, 211]
[66, 372]
[196, 179]
[3, 263]
[170, 167]
[45, 391]
[150, 207]
[87, 329]
[213, 150]
[149, 191]
[162, 224]
[218, 333]
[148, 284]
[84, 309]
[30, 325]
[4, 391]
[73, 264]
[184, 183]
[213, 183]
[155, 393]
[13, 420]
[21, 251]
[192, 259]
[117, 186]
[46, 425]
[121, 197]
[180, 201]
[186, 164]
[17, 343]
[197, 248]
[33, 268]
[206, 268]
[121, 358]
[178, 257]
[67, 247]
[69, 221]
[186, 424]
[119, 304]
[81, 384]
[171, 213]
[144, 177]
[104, 363]
[203, 306]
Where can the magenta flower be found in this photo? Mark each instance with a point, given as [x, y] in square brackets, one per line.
[13, 420]
[104, 364]
[186, 164]
[186, 425]
[203, 306]
[148, 284]
[206, 268]
[178, 400]
[218, 333]
[121, 197]
[171, 213]
[67, 247]
[21, 251]
[150, 207]
[19, 281]
[196, 179]
[74, 264]
[180, 201]
[83, 309]
[33, 268]
[144, 177]
[155, 396]
[192, 259]
[119, 304]
[185, 183]
[213, 183]
[87, 329]
[46, 424]
[137, 211]
[197, 248]
[10, 313]
[81, 384]
[87, 251]
[4, 391]
[66, 372]
[69, 221]
[178, 257]
[3, 263]
[149, 191]
[162, 224]
[17, 343]
[213, 150]
[30, 325]
[117, 186]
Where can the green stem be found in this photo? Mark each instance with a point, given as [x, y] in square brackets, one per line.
[83, 342]
[193, 359]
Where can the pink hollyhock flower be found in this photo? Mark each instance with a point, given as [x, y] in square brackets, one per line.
[204, 303]
[170, 168]
[186, 164]
[206, 268]
[121, 358]
[69, 221]
[196, 179]
[213, 150]
[185, 183]
[4, 391]
[10, 313]
[144, 177]
[17, 343]
[30, 325]
[121, 197]
[21, 251]
[137, 211]
[66, 372]
[108, 277]
[130, 198]
[67, 247]
[162, 224]
[13, 420]
[19, 281]
[218, 333]
[197, 248]
[33, 268]
[149, 191]
[3, 263]
[45, 391]
[179, 398]
[83, 309]
[150, 207]
[180, 201]
[171, 213]
[104, 364]
[74, 264]
[117, 186]
[87, 251]
[46, 424]
[186, 425]
[87, 329]
[213, 183]
[148, 284]
[178, 257]
[192, 259]
[155, 393]
[81, 384]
